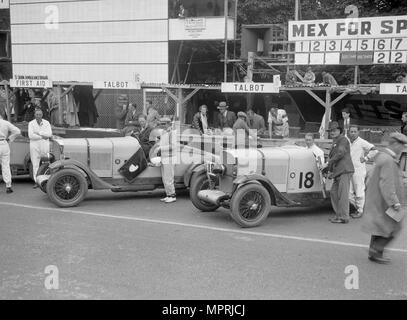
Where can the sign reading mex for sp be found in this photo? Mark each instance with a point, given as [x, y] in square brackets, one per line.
[350, 28]
[351, 41]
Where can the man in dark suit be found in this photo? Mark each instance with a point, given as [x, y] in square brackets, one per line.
[226, 118]
[346, 121]
[341, 166]
[256, 121]
[143, 136]
[200, 120]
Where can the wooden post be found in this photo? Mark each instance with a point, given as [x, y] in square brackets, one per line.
[144, 101]
[356, 75]
[60, 107]
[327, 112]
[179, 111]
[225, 63]
[8, 109]
[250, 67]
[297, 9]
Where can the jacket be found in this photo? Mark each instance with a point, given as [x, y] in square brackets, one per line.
[197, 122]
[384, 189]
[256, 122]
[340, 161]
[346, 130]
[228, 121]
[404, 128]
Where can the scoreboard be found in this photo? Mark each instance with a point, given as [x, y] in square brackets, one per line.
[351, 41]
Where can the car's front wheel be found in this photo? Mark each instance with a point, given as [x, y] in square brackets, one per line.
[67, 187]
[201, 182]
[250, 205]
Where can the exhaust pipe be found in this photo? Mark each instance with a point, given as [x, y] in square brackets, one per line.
[212, 196]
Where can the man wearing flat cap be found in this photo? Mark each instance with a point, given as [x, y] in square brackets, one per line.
[341, 166]
[226, 118]
[385, 198]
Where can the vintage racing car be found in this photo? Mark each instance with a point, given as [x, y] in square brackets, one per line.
[20, 162]
[117, 164]
[251, 181]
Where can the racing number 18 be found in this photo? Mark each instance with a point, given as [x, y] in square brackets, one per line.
[308, 182]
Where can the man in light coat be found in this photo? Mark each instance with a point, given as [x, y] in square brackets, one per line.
[8, 133]
[39, 132]
[385, 192]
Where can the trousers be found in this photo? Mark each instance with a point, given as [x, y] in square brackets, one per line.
[38, 149]
[5, 163]
[357, 189]
[167, 173]
[340, 195]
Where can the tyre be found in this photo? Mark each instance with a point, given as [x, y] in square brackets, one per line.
[201, 182]
[43, 170]
[250, 205]
[67, 188]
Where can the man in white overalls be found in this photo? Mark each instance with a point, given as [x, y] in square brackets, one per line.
[39, 132]
[8, 132]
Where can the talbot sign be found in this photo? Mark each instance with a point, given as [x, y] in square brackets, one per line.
[393, 88]
[116, 85]
[249, 87]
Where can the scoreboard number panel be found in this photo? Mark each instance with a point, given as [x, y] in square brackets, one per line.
[332, 58]
[316, 58]
[302, 46]
[366, 45]
[398, 57]
[333, 45]
[399, 44]
[381, 57]
[317, 46]
[382, 44]
[302, 58]
[349, 45]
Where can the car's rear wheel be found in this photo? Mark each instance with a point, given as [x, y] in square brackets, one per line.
[67, 187]
[201, 182]
[250, 205]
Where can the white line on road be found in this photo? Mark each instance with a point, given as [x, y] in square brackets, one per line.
[197, 226]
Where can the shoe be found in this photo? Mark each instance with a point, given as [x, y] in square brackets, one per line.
[35, 186]
[377, 259]
[164, 199]
[357, 215]
[352, 209]
[9, 190]
[338, 220]
[170, 199]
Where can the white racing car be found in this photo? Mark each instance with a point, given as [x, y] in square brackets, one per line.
[251, 181]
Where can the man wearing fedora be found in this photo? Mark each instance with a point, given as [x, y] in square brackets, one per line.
[341, 166]
[36, 103]
[226, 118]
[386, 198]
